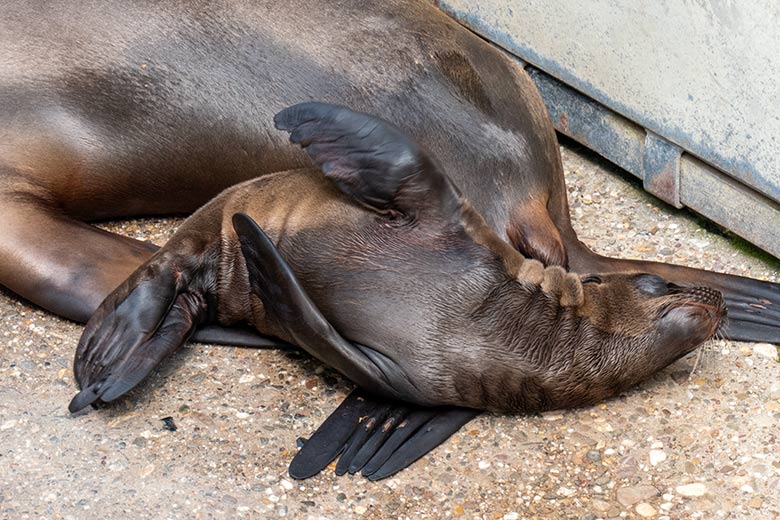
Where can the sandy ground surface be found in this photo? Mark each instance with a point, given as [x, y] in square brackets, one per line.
[703, 446]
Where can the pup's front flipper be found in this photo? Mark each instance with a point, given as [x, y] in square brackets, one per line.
[378, 436]
[286, 303]
[144, 320]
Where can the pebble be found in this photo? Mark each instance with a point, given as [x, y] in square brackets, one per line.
[692, 490]
[483, 464]
[629, 496]
[359, 510]
[645, 510]
[766, 350]
[657, 457]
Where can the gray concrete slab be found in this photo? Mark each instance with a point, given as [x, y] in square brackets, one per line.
[702, 446]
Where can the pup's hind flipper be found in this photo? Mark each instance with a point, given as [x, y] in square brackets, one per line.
[378, 436]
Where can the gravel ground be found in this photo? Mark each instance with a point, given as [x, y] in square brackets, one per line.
[680, 446]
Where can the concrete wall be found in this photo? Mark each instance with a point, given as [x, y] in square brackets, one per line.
[700, 80]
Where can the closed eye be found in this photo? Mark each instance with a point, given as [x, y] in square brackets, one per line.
[591, 278]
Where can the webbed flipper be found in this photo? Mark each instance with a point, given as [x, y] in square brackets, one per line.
[378, 436]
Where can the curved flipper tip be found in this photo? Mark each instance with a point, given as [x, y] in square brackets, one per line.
[84, 398]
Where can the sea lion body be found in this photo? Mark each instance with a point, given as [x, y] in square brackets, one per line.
[434, 307]
[158, 107]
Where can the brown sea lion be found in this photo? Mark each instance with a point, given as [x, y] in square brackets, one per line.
[460, 318]
[108, 111]
[111, 111]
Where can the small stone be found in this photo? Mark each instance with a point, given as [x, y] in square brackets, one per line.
[747, 488]
[628, 496]
[359, 510]
[766, 350]
[756, 503]
[600, 505]
[286, 484]
[7, 425]
[692, 490]
[511, 516]
[457, 510]
[566, 492]
[657, 457]
[168, 424]
[645, 510]
[594, 455]
[483, 464]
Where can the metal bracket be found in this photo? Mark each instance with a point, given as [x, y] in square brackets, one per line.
[661, 169]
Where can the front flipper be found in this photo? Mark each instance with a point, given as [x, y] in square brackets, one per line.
[144, 320]
[286, 302]
[370, 160]
[378, 436]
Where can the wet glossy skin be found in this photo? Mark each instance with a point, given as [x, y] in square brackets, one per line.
[155, 109]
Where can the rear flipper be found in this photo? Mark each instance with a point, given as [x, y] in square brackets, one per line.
[378, 436]
[753, 305]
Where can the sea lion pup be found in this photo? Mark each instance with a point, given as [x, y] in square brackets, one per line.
[383, 270]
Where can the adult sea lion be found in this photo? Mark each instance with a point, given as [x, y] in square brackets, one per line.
[156, 108]
[461, 318]
[108, 111]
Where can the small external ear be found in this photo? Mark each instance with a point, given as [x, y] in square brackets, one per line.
[370, 159]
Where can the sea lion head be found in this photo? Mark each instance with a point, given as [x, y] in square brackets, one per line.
[663, 320]
[633, 325]
[560, 340]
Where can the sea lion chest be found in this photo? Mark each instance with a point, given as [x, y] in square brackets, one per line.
[404, 286]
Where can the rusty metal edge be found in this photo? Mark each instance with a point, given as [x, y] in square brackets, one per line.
[668, 171]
